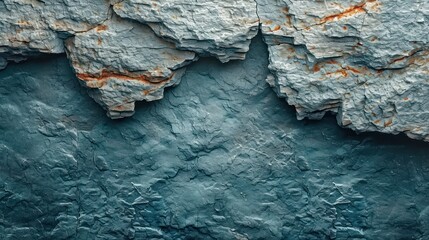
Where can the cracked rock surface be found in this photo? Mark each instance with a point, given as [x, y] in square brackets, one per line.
[364, 60]
[221, 157]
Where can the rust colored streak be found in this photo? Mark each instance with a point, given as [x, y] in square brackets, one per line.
[346, 13]
[388, 123]
[399, 59]
[106, 75]
[101, 28]
[341, 72]
[276, 28]
[333, 62]
[353, 70]
[316, 67]
[285, 11]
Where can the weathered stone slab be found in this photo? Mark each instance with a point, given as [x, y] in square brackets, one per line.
[222, 28]
[125, 62]
[30, 27]
[365, 60]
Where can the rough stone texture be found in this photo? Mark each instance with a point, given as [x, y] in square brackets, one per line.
[29, 27]
[365, 60]
[222, 28]
[125, 62]
[221, 157]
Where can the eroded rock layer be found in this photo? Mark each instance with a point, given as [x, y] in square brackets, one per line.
[364, 60]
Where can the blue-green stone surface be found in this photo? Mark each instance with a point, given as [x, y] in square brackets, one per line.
[220, 157]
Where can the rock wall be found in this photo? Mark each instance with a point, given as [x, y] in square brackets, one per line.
[221, 157]
[364, 60]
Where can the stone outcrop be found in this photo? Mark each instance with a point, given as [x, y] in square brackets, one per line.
[31, 27]
[125, 62]
[220, 28]
[364, 60]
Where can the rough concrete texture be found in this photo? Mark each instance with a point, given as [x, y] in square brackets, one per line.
[221, 157]
[365, 60]
[222, 28]
[125, 62]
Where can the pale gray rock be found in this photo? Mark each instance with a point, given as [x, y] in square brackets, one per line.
[222, 28]
[125, 62]
[30, 27]
[367, 61]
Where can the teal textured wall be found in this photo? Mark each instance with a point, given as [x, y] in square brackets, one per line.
[220, 157]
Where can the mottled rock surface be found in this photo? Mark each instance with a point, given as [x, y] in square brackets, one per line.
[221, 157]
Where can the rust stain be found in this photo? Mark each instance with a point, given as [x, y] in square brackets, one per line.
[23, 23]
[399, 59]
[332, 62]
[406, 99]
[119, 108]
[316, 67]
[351, 11]
[285, 10]
[388, 123]
[377, 121]
[344, 71]
[101, 28]
[99, 41]
[276, 28]
[353, 70]
[106, 75]
[341, 72]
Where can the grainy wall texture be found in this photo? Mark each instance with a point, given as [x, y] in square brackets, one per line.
[220, 155]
